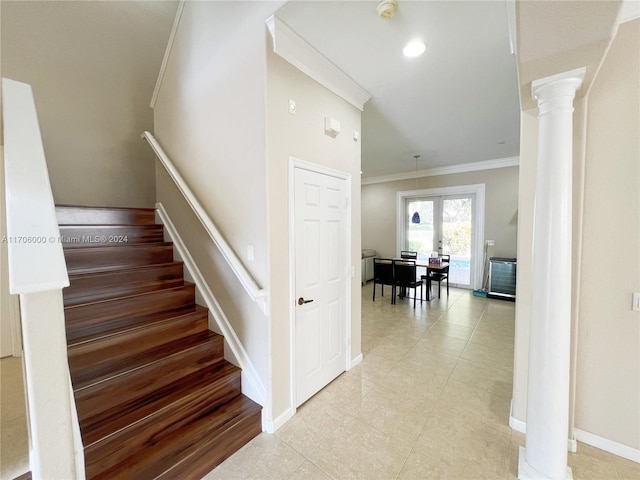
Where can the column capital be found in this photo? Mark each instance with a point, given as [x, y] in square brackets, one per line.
[555, 84]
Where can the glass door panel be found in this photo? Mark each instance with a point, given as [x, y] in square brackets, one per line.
[457, 225]
[421, 237]
[446, 227]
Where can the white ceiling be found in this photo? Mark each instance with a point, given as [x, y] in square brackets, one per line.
[453, 105]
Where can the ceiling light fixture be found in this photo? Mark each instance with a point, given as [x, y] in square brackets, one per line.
[414, 48]
[415, 218]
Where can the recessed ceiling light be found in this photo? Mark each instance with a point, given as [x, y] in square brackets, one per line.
[414, 48]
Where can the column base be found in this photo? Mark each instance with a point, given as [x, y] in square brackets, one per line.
[527, 472]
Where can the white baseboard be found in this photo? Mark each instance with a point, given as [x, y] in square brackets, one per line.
[605, 444]
[514, 423]
[252, 387]
[355, 361]
[270, 426]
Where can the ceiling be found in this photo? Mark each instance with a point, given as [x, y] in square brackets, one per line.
[455, 104]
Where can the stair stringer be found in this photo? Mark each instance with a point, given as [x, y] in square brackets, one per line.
[252, 386]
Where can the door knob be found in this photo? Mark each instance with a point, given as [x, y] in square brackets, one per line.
[302, 301]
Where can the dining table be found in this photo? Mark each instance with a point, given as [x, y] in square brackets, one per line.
[432, 267]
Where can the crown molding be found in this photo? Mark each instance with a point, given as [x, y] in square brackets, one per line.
[449, 170]
[294, 49]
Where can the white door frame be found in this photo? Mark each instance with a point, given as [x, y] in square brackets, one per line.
[296, 163]
[478, 213]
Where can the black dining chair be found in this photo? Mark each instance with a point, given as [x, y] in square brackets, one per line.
[406, 254]
[404, 272]
[383, 275]
[438, 276]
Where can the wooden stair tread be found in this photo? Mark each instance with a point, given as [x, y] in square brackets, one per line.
[132, 384]
[103, 284]
[218, 434]
[105, 424]
[196, 310]
[79, 257]
[98, 271]
[135, 427]
[122, 350]
[89, 319]
[140, 361]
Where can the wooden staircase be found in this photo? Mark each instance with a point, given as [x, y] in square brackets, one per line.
[155, 397]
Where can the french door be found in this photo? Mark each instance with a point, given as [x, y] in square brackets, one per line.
[446, 224]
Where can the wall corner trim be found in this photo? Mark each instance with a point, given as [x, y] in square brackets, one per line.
[297, 51]
[514, 423]
[270, 426]
[355, 361]
[167, 53]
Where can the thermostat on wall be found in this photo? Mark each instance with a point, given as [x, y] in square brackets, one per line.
[331, 126]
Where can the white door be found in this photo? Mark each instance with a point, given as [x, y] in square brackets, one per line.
[320, 222]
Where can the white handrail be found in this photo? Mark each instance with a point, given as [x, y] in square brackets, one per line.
[36, 259]
[256, 293]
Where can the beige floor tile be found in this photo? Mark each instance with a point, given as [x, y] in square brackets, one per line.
[463, 318]
[308, 471]
[310, 424]
[626, 469]
[470, 404]
[424, 466]
[428, 362]
[590, 468]
[492, 338]
[14, 442]
[441, 344]
[348, 388]
[451, 330]
[424, 380]
[493, 380]
[374, 367]
[393, 412]
[265, 457]
[488, 356]
[358, 451]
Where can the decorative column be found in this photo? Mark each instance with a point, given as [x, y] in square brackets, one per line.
[545, 454]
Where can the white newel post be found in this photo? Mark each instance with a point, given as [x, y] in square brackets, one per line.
[545, 454]
[50, 400]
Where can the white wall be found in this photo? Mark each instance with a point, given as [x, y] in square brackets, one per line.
[210, 119]
[608, 376]
[92, 66]
[302, 136]
[501, 206]
[221, 116]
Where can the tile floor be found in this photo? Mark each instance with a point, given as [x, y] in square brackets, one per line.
[429, 401]
[14, 440]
